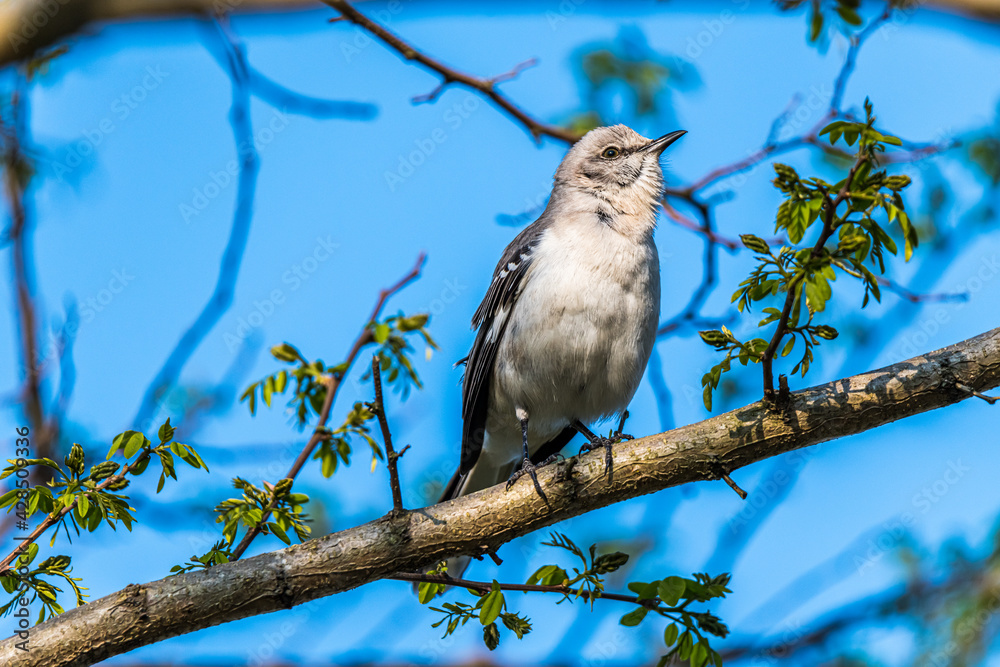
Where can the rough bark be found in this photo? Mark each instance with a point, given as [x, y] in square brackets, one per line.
[144, 614]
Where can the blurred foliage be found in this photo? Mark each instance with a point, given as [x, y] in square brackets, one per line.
[825, 15]
[627, 81]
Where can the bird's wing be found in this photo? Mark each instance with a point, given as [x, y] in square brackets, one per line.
[491, 320]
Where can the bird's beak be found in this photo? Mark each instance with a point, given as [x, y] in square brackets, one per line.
[659, 145]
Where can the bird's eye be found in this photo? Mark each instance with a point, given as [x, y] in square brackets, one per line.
[610, 153]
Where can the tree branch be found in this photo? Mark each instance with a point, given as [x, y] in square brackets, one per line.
[449, 76]
[481, 522]
[486, 587]
[392, 458]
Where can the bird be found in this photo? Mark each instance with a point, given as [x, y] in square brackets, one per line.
[568, 323]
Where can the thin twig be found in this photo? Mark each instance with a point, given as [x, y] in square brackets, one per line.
[333, 385]
[734, 486]
[486, 587]
[390, 454]
[449, 76]
[969, 390]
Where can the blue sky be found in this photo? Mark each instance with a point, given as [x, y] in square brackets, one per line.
[330, 228]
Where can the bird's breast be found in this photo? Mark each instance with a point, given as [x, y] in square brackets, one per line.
[578, 340]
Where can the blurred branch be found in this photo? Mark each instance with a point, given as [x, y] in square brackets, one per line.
[481, 522]
[222, 295]
[291, 101]
[915, 297]
[709, 278]
[27, 26]
[450, 76]
[988, 10]
[67, 369]
[333, 386]
[18, 171]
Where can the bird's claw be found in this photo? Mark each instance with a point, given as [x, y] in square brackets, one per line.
[608, 444]
[529, 468]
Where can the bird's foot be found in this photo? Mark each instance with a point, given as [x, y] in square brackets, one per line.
[618, 436]
[607, 443]
[529, 468]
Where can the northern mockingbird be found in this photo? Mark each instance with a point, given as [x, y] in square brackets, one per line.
[569, 320]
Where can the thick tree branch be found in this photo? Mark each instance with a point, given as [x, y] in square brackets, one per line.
[481, 522]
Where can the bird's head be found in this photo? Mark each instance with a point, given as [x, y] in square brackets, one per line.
[619, 167]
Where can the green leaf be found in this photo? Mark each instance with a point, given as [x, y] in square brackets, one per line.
[699, 655]
[548, 575]
[427, 591]
[670, 634]
[278, 532]
[492, 605]
[491, 636]
[381, 333]
[166, 432]
[267, 390]
[684, 646]
[634, 617]
[788, 347]
[815, 26]
[286, 352]
[670, 590]
[849, 15]
[82, 505]
[755, 243]
[132, 441]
